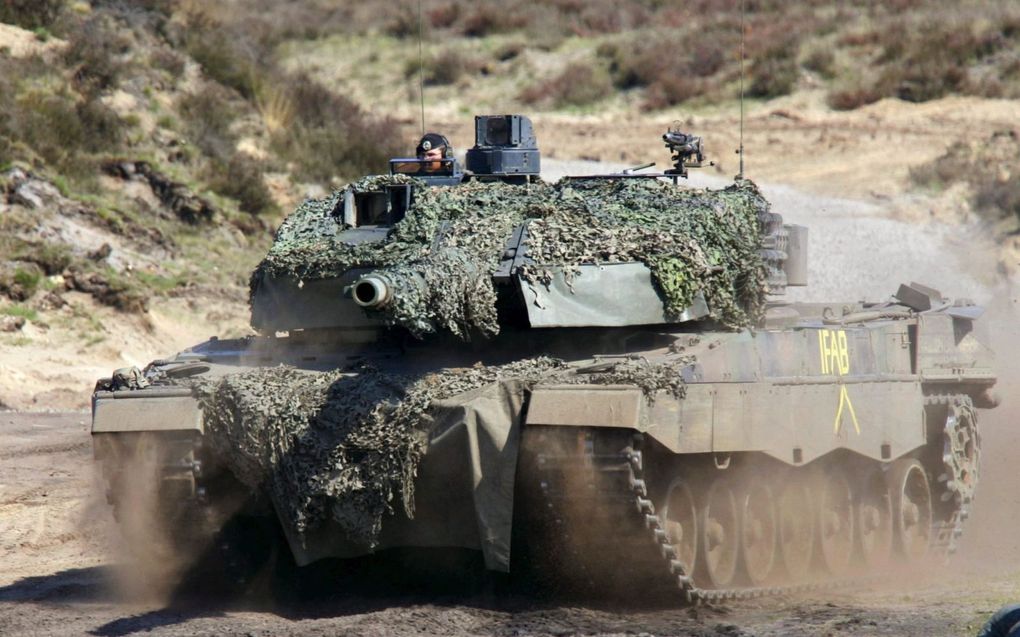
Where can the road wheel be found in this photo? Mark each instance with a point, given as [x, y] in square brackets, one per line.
[719, 535]
[796, 529]
[836, 523]
[874, 522]
[911, 509]
[758, 531]
[681, 519]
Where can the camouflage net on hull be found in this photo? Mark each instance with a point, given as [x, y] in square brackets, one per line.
[345, 446]
[453, 238]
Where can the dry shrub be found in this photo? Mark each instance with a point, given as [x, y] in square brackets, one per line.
[821, 61]
[330, 135]
[61, 130]
[31, 14]
[207, 115]
[444, 16]
[670, 75]
[579, 84]
[938, 57]
[44, 121]
[226, 56]
[668, 91]
[167, 60]
[94, 51]
[773, 75]
[509, 51]
[443, 68]
[988, 166]
[241, 179]
[598, 17]
[851, 97]
[488, 18]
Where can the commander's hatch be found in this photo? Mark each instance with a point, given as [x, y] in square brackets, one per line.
[375, 209]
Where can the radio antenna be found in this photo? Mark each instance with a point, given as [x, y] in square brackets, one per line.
[740, 175]
[421, 71]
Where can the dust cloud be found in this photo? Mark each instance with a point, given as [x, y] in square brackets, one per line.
[990, 539]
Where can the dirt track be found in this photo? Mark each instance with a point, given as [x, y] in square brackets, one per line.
[58, 576]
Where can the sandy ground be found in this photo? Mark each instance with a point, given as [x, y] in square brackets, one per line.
[60, 576]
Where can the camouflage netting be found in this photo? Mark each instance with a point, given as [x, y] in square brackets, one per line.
[346, 445]
[442, 254]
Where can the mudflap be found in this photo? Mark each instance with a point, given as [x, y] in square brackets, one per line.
[464, 490]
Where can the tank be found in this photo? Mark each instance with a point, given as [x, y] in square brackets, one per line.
[595, 383]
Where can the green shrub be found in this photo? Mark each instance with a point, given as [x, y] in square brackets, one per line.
[28, 278]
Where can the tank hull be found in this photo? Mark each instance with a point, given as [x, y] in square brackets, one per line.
[770, 407]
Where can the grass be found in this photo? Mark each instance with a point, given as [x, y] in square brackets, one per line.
[23, 311]
[159, 283]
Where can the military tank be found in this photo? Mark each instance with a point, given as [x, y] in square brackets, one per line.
[594, 382]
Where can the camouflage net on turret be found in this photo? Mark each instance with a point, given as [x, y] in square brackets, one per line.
[346, 445]
[452, 239]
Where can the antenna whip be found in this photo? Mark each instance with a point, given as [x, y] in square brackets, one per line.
[740, 152]
[421, 71]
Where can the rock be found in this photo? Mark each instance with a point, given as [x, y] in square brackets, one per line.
[100, 253]
[35, 194]
[50, 301]
[11, 323]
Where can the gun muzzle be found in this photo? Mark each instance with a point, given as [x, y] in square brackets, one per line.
[372, 292]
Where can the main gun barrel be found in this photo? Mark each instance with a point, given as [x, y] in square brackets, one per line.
[372, 291]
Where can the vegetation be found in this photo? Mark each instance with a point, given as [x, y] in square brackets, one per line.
[988, 168]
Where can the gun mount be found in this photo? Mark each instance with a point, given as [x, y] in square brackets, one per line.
[687, 151]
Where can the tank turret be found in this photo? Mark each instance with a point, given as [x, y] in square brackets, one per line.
[605, 250]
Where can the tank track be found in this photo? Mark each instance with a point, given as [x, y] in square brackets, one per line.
[652, 547]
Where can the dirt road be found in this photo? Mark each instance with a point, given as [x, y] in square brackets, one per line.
[57, 578]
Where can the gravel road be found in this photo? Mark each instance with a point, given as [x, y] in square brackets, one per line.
[60, 574]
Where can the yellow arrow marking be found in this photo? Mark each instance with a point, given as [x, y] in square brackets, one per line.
[844, 399]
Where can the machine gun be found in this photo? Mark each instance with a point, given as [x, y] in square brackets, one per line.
[687, 151]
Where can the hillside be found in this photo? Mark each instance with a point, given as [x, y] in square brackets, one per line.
[148, 149]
